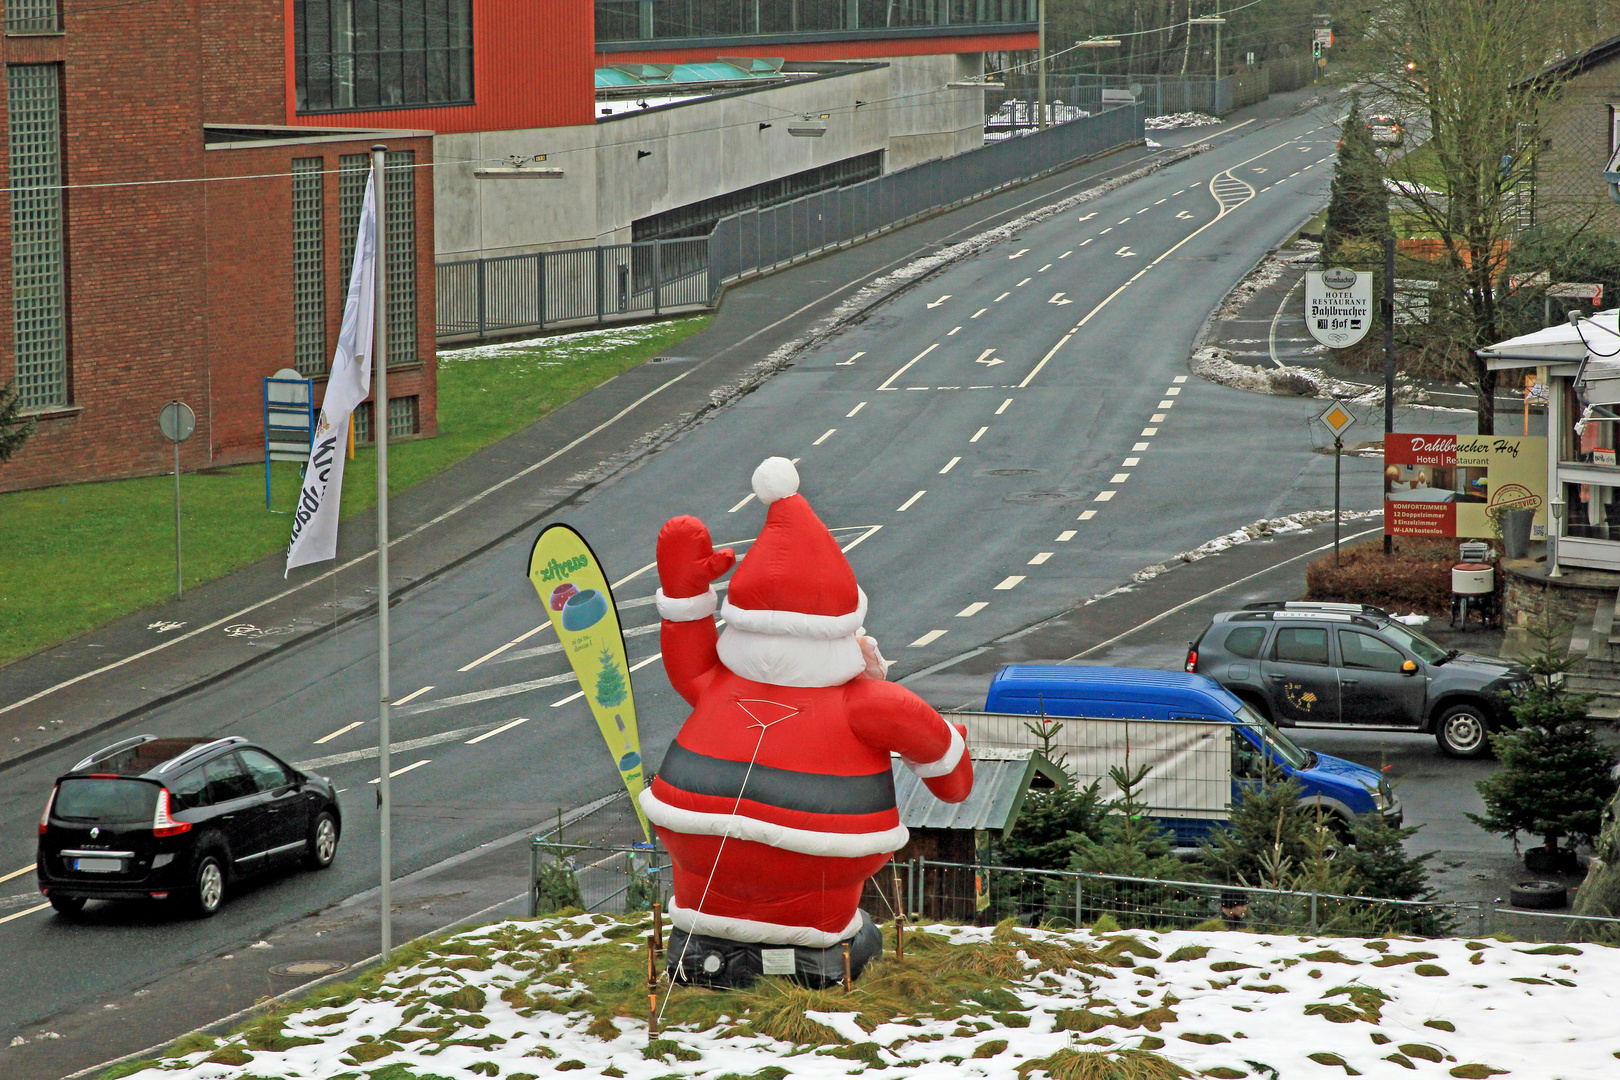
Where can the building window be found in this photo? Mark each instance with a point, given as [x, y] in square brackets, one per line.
[402, 417]
[367, 54]
[309, 266]
[361, 419]
[38, 305]
[32, 17]
[399, 197]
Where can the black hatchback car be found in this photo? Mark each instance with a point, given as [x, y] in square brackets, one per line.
[1352, 665]
[178, 819]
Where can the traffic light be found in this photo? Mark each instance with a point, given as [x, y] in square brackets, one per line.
[1316, 49]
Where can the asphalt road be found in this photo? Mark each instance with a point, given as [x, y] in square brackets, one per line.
[1018, 433]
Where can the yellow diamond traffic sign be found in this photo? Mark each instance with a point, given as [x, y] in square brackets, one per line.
[1337, 419]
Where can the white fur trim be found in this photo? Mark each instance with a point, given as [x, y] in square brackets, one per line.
[803, 841]
[945, 765]
[782, 660]
[687, 608]
[775, 479]
[720, 926]
[796, 623]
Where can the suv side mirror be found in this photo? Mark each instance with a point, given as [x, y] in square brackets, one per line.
[1409, 668]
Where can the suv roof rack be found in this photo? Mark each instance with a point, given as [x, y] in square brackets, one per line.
[109, 751]
[197, 750]
[1315, 605]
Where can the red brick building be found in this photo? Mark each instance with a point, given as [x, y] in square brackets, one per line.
[172, 236]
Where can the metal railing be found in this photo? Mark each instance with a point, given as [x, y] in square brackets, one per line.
[989, 893]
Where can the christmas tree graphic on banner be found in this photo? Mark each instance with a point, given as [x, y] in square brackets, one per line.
[611, 685]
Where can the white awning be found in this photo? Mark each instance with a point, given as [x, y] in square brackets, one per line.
[1561, 348]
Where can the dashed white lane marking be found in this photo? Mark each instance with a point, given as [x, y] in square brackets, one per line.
[414, 694]
[1086, 515]
[1130, 462]
[1149, 432]
[855, 410]
[1123, 221]
[1066, 254]
[978, 434]
[949, 465]
[1173, 194]
[1172, 391]
[1040, 558]
[1166, 404]
[1158, 418]
[953, 331]
[1161, 200]
[1044, 269]
[515, 641]
[976, 314]
[29, 869]
[927, 639]
[508, 726]
[1119, 478]
[1065, 536]
[1003, 407]
[1087, 240]
[744, 501]
[1145, 209]
[1026, 281]
[890, 380]
[1106, 231]
[1137, 448]
[25, 911]
[1179, 379]
[1000, 298]
[908, 503]
[1104, 496]
[1010, 582]
[966, 613]
[825, 435]
[851, 360]
[345, 729]
[402, 771]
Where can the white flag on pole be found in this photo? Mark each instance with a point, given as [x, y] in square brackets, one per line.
[315, 519]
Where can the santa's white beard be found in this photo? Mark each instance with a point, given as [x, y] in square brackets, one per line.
[790, 660]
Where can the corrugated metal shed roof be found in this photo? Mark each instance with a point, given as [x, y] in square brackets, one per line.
[1000, 780]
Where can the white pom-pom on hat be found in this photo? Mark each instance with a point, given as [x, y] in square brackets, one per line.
[775, 479]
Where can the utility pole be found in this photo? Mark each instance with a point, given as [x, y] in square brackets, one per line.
[1041, 65]
[1218, 22]
[1389, 360]
[379, 433]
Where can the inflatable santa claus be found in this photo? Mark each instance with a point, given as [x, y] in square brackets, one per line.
[776, 800]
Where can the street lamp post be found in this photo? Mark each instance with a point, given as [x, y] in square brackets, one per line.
[1041, 66]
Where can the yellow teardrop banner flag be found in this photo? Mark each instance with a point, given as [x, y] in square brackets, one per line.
[572, 586]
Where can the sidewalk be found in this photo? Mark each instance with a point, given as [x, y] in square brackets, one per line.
[143, 661]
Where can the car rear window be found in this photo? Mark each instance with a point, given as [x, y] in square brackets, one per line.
[1246, 641]
[106, 801]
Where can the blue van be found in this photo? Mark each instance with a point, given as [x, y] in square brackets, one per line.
[1160, 700]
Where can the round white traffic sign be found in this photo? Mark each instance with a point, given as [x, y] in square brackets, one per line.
[177, 421]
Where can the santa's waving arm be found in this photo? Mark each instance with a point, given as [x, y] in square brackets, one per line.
[892, 718]
[687, 567]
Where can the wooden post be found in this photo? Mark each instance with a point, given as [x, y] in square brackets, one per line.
[848, 980]
[652, 989]
[658, 926]
[899, 916]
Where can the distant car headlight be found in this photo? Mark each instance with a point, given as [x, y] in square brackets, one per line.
[1519, 688]
[1379, 802]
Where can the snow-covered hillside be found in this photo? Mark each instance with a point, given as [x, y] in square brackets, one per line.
[526, 999]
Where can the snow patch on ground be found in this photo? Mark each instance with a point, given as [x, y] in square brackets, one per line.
[1263, 529]
[1180, 120]
[1225, 1004]
[1216, 364]
[553, 349]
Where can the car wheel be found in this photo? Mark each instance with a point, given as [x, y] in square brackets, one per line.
[209, 886]
[67, 905]
[1463, 733]
[323, 841]
[1538, 895]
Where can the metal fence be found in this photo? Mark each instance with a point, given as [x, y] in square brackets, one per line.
[480, 297]
[1163, 94]
[758, 240]
[988, 894]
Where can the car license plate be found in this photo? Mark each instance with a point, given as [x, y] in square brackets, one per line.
[98, 866]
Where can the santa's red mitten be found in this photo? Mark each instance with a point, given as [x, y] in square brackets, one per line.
[687, 566]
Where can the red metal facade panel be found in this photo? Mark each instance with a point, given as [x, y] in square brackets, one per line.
[859, 49]
[532, 68]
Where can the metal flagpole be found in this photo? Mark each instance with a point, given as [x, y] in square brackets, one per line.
[379, 434]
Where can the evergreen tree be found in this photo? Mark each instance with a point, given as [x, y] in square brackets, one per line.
[1383, 868]
[1265, 839]
[1555, 776]
[14, 428]
[611, 686]
[1131, 844]
[1358, 207]
[1051, 824]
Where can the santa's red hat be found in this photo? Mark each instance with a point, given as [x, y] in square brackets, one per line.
[794, 579]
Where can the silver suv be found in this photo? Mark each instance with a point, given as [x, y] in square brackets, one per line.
[1352, 665]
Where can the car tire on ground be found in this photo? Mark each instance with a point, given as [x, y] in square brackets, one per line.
[323, 841]
[1463, 732]
[1538, 895]
[208, 885]
[67, 905]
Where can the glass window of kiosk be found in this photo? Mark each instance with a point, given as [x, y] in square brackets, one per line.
[1592, 511]
[1593, 441]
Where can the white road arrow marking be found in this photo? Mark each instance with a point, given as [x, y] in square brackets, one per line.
[989, 363]
[1259, 170]
[851, 360]
[1125, 252]
[1019, 254]
[940, 301]
[1057, 298]
[1088, 217]
[1184, 214]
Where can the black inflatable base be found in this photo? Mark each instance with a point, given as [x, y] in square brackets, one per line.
[721, 964]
